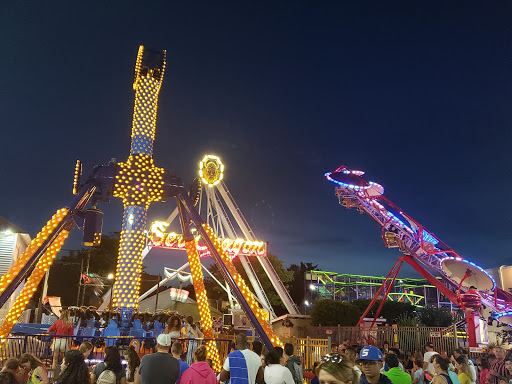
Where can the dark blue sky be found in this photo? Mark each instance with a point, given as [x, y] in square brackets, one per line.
[417, 94]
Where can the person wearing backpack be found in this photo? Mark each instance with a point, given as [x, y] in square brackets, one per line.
[110, 371]
[293, 364]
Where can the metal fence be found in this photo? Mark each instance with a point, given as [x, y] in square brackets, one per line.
[409, 338]
[41, 346]
[309, 350]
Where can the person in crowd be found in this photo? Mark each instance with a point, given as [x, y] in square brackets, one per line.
[8, 378]
[508, 365]
[275, 372]
[396, 352]
[484, 369]
[34, 368]
[173, 327]
[417, 372]
[62, 327]
[159, 367]
[176, 351]
[111, 367]
[395, 373]
[385, 347]
[12, 365]
[334, 348]
[257, 347]
[498, 368]
[408, 362]
[86, 348]
[351, 355]
[336, 369]
[218, 325]
[463, 370]
[294, 364]
[461, 352]
[192, 333]
[429, 352]
[200, 371]
[441, 369]
[73, 369]
[314, 371]
[242, 365]
[370, 361]
[132, 357]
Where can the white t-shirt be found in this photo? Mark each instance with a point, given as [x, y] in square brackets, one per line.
[472, 368]
[277, 374]
[253, 362]
[426, 359]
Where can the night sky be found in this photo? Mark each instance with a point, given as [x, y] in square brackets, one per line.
[417, 94]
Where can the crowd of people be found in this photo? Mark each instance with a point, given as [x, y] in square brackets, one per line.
[390, 365]
[181, 358]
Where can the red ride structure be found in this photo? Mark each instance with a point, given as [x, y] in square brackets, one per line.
[464, 283]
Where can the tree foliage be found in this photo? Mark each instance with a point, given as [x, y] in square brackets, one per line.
[298, 284]
[391, 310]
[435, 317]
[214, 291]
[334, 312]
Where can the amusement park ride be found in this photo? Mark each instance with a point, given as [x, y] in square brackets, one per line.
[138, 182]
[464, 283]
[237, 240]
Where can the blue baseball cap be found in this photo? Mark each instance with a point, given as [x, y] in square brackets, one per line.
[371, 353]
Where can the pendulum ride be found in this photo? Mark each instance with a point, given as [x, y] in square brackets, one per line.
[138, 182]
[467, 284]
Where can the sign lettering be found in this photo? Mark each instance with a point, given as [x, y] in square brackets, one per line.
[158, 238]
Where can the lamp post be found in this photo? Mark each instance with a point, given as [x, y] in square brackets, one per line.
[111, 278]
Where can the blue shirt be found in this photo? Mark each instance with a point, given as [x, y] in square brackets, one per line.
[183, 367]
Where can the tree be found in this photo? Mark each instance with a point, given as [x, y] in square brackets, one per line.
[391, 310]
[298, 284]
[214, 291]
[334, 312]
[435, 317]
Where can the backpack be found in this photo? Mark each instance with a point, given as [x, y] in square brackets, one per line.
[107, 377]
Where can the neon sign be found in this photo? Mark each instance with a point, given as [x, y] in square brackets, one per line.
[158, 238]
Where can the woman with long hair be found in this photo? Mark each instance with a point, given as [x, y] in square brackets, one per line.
[192, 333]
[200, 371]
[441, 365]
[337, 369]
[73, 369]
[62, 327]
[133, 364]
[463, 370]
[35, 368]
[173, 327]
[275, 371]
[111, 362]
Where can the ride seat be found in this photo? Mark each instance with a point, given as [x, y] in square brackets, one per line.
[390, 239]
[112, 332]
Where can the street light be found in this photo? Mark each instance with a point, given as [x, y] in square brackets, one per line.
[312, 287]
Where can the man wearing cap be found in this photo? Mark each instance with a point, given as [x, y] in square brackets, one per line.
[427, 365]
[370, 361]
[159, 367]
[395, 373]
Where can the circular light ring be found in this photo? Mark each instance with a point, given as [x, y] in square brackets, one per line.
[211, 170]
[471, 264]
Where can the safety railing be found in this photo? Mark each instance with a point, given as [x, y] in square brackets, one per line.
[409, 338]
[41, 346]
